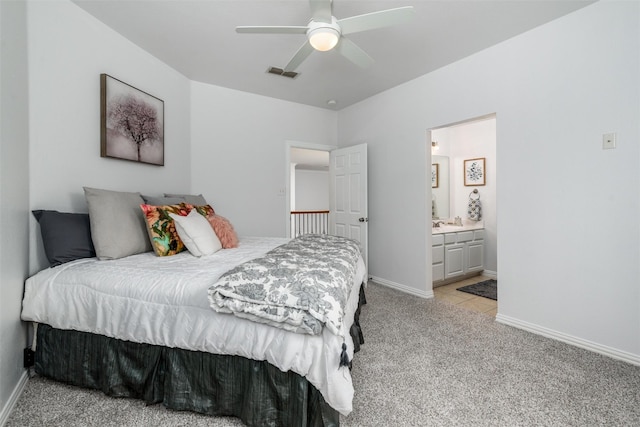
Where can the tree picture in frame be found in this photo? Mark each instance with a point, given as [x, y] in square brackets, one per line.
[131, 123]
[474, 172]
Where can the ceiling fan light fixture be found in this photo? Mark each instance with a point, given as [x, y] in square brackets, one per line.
[324, 32]
[323, 38]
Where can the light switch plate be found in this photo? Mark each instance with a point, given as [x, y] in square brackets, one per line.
[609, 140]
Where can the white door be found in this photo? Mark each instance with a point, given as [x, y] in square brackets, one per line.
[348, 195]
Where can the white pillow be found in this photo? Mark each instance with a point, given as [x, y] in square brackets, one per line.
[196, 233]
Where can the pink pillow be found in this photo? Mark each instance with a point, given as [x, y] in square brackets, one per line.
[224, 230]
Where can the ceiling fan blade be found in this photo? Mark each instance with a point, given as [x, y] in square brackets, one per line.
[353, 53]
[271, 30]
[321, 10]
[302, 54]
[370, 21]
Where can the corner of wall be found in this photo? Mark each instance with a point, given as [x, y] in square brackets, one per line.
[14, 199]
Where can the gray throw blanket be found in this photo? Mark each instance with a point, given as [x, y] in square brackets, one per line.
[299, 286]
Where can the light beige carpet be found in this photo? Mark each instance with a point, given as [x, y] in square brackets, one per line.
[424, 363]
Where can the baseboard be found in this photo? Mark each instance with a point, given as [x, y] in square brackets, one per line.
[490, 274]
[402, 288]
[634, 359]
[13, 399]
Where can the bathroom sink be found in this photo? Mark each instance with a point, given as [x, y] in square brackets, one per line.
[450, 228]
[447, 229]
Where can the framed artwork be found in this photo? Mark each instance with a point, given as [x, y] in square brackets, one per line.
[435, 175]
[131, 123]
[474, 173]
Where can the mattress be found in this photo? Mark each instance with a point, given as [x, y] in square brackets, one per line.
[163, 301]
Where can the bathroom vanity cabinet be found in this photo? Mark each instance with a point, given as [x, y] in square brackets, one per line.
[457, 255]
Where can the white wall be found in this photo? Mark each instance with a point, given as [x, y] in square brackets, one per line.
[238, 145]
[474, 140]
[14, 199]
[568, 246]
[68, 50]
[312, 190]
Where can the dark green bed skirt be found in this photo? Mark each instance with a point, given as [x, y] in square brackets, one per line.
[254, 391]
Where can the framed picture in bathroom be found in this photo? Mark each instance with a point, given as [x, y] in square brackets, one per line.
[474, 172]
[435, 175]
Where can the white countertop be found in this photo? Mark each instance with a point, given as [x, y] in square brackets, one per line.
[448, 226]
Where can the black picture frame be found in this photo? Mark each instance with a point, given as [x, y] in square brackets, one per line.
[131, 123]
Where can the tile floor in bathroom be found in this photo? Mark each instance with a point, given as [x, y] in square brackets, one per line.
[465, 300]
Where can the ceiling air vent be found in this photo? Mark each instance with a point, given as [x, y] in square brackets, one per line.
[283, 73]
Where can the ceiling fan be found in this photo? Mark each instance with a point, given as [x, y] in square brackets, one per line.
[324, 32]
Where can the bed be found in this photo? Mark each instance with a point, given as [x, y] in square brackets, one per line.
[143, 326]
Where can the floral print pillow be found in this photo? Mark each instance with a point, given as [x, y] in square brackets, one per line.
[162, 229]
[204, 210]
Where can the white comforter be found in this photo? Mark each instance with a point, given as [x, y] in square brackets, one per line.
[163, 301]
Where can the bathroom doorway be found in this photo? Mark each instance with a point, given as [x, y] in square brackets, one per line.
[455, 149]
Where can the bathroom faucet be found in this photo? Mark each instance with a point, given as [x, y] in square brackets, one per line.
[436, 224]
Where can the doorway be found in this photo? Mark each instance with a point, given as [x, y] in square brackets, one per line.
[309, 179]
[307, 191]
[346, 182]
[454, 147]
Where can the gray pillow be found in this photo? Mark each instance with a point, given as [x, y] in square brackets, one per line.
[192, 199]
[65, 236]
[118, 226]
[163, 201]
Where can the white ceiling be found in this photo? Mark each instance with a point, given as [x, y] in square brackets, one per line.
[198, 39]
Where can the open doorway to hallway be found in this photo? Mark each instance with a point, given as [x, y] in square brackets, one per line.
[347, 212]
[308, 190]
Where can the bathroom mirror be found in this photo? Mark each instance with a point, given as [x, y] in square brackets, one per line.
[440, 187]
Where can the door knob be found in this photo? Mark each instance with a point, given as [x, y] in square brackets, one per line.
[363, 219]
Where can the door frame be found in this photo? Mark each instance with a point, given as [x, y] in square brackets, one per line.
[288, 145]
[428, 154]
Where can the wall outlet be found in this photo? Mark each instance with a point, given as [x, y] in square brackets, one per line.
[609, 141]
[29, 357]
